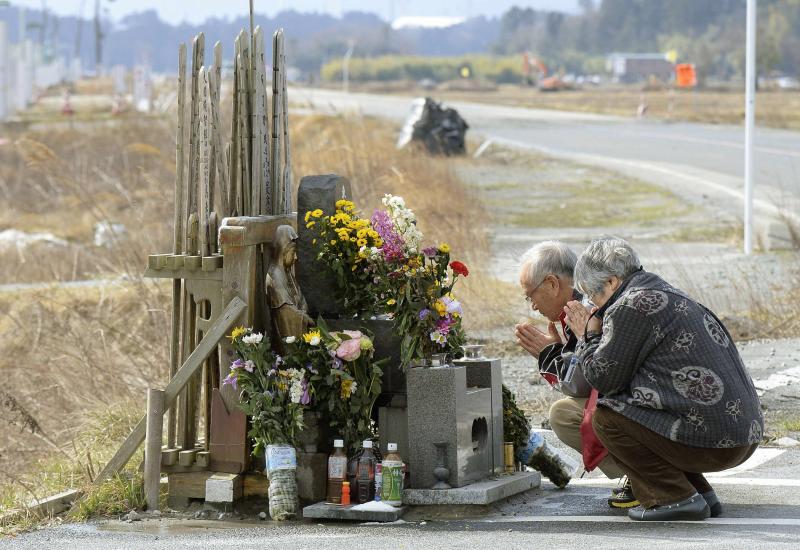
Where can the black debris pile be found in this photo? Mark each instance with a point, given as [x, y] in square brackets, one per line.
[440, 129]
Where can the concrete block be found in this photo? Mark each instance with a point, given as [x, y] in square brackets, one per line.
[393, 428]
[443, 410]
[480, 493]
[488, 373]
[312, 476]
[779, 235]
[323, 510]
[221, 487]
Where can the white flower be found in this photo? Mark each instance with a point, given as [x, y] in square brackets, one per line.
[296, 391]
[254, 338]
[290, 339]
[315, 341]
[353, 387]
[249, 366]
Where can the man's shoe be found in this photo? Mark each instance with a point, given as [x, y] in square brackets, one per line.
[622, 497]
[694, 508]
[713, 502]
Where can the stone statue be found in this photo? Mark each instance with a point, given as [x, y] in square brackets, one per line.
[288, 307]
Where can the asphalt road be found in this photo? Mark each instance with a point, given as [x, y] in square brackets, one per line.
[702, 162]
[761, 500]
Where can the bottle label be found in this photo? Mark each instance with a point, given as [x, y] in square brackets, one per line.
[392, 481]
[281, 457]
[337, 467]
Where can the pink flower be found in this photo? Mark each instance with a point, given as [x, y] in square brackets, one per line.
[353, 333]
[349, 350]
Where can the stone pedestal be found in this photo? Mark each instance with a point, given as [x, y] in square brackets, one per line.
[443, 409]
[488, 373]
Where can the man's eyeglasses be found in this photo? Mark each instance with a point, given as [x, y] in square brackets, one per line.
[528, 298]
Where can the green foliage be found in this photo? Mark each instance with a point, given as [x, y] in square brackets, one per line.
[116, 496]
[506, 69]
[516, 427]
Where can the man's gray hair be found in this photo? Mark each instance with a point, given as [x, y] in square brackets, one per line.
[548, 258]
[603, 258]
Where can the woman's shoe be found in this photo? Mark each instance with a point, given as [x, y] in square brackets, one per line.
[623, 497]
[713, 502]
[694, 508]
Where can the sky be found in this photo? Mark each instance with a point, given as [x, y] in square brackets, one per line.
[196, 11]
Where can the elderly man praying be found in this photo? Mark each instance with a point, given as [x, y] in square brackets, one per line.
[546, 280]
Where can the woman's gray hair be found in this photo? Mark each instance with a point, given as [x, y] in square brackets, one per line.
[548, 258]
[603, 258]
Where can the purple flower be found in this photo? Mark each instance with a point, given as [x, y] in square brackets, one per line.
[249, 366]
[230, 380]
[430, 252]
[305, 399]
[278, 362]
[337, 363]
[310, 368]
[237, 364]
[423, 313]
[393, 243]
[443, 325]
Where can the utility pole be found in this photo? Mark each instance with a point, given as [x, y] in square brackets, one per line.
[79, 32]
[98, 38]
[749, 123]
[346, 66]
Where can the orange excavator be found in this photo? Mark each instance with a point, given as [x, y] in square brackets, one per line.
[534, 73]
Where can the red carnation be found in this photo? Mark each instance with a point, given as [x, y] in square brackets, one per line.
[459, 268]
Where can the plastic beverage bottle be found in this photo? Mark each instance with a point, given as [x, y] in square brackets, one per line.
[392, 477]
[365, 473]
[337, 472]
[345, 493]
[378, 479]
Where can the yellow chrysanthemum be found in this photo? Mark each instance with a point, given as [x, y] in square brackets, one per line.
[391, 302]
[352, 239]
[308, 216]
[344, 237]
[237, 332]
[444, 248]
[310, 335]
[440, 308]
[361, 242]
[333, 242]
[346, 386]
[316, 213]
[309, 225]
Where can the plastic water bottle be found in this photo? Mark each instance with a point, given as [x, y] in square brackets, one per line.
[365, 473]
[392, 474]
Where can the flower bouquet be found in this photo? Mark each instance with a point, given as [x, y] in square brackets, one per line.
[274, 395]
[346, 243]
[381, 268]
[419, 283]
[344, 379]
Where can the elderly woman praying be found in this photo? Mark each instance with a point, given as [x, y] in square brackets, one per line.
[675, 398]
